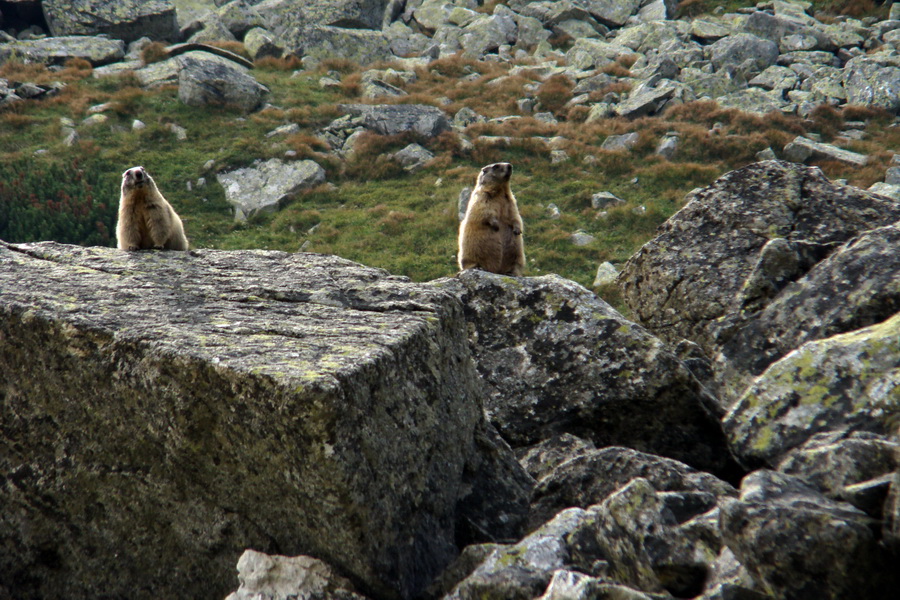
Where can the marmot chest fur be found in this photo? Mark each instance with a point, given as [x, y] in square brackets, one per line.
[490, 235]
[146, 219]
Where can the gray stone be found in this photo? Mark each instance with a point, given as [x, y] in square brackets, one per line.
[710, 85]
[116, 69]
[647, 100]
[239, 17]
[874, 81]
[616, 143]
[606, 274]
[589, 476]
[321, 42]
[753, 100]
[709, 31]
[413, 157]
[249, 399]
[612, 12]
[891, 190]
[796, 543]
[734, 50]
[580, 367]
[688, 279]
[784, 31]
[892, 176]
[812, 297]
[125, 20]
[649, 37]
[524, 569]
[463, 202]
[776, 78]
[580, 238]
[288, 578]
[802, 149]
[376, 88]
[266, 186]
[667, 146]
[845, 382]
[588, 53]
[205, 79]
[605, 199]
[289, 129]
[832, 463]
[57, 50]
[487, 34]
[654, 541]
[404, 41]
[345, 14]
[212, 30]
[391, 119]
[261, 43]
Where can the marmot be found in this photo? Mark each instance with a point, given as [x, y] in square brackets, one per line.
[490, 235]
[146, 219]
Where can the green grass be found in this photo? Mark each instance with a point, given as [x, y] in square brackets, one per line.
[371, 211]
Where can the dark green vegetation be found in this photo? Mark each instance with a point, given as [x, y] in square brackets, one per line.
[371, 211]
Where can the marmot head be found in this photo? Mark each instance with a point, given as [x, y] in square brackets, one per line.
[135, 178]
[495, 175]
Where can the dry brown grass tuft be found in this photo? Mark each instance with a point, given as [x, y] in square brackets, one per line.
[341, 65]
[286, 63]
[126, 101]
[554, 93]
[351, 84]
[154, 52]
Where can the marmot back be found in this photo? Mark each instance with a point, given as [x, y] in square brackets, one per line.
[146, 219]
[490, 235]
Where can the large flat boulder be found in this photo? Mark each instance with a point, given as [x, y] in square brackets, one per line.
[57, 50]
[161, 412]
[125, 20]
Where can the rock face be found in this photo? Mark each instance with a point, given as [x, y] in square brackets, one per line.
[715, 258]
[57, 50]
[843, 383]
[786, 534]
[125, 20]
[557, 359]
[296, 404]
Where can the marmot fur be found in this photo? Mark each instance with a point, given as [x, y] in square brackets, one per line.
[146, 219]
[490, 235]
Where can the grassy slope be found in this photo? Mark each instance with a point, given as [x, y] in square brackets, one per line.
[371, 211]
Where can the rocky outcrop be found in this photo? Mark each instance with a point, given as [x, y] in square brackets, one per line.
[856, 286]
[57, 50]
[795, 543]
[844, 383]
[738, 243]
[162, 413]
[557, 359]
[125, 20]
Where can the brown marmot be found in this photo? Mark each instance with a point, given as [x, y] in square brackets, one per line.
[490, 235]
[146, 219]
